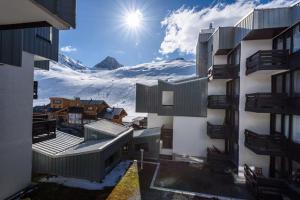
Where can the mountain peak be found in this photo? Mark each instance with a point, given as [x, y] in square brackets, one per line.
[108, 63]
[70, 62]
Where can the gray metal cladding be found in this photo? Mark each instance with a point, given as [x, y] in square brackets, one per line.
[266, 19]
[42, 64]
[11, 47]
[37, 42]
[190, 98]
[146, 98]
[64, 9]
[296, 13]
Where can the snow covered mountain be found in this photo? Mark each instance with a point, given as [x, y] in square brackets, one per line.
[109, 63]
[116, 87]
[73, 64]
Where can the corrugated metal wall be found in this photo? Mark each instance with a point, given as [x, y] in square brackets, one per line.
[190, 98]
[11, 47]
[89, 165]
[86, 166]
[34, 43]
[64, 9]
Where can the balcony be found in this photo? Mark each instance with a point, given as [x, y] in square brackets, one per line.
[166, 136]
[273, 145]
[214, 154]
[267, 60]
[219, 102]
[43, 129]
[218, 131]
[223, 72]
[266, 103]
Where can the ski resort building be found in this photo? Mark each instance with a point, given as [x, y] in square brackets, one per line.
[245, 110]
[29, 32]
[88, 158]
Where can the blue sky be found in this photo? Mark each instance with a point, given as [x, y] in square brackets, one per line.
[99, 32]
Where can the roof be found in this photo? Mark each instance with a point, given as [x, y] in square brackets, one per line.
[146, 132]
[92, 102]
[107, 127]
[56, 145]
[111, 112]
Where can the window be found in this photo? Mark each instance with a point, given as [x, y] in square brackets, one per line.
[286, 125]
[287, 84]
[45, 33]
[278, 123]
[279, 43]
[279, 84]
[167, 98]
[140, 146]
[297, 82]
[296, 39]
[57, 101]
[296, 128]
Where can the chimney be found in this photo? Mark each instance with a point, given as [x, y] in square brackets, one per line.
[210, 25]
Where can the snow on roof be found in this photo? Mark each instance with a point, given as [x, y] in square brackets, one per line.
[146, 132]
[56, 145]
[106, 127]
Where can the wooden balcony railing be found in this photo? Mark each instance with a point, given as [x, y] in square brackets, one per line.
[273, 145]
[266, 103]
[267, 60]
[214, 154]
[166, 137]
[43, 130]
[219, 101]
[227, 71]
[218, 131]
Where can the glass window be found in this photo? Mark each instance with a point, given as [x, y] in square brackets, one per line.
[296, 38]
[297, 81]
[278, 123]
[167, 98]
[45, 33]
[286, 125]
[279, 43]
[287, 83]
[279, 84]
[288, 43]
[296, 128]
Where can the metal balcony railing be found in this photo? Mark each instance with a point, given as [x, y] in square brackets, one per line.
[266, 102]
[267, 60]
[274, 145]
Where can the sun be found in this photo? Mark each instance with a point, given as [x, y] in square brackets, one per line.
[134, 19]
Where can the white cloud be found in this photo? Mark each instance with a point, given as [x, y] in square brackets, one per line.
[68, 48]
[183, 25]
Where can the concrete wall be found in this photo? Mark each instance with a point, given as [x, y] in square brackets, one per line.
[190, 137]
[155, 120]
[16, 93]
[257, 122]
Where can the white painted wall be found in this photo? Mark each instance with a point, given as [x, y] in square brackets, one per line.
[190, 137]
[155, 120]
[220, 59]
[258, 122]
[16, 93]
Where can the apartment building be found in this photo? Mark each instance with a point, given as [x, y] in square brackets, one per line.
[29, 39]
[250, 101]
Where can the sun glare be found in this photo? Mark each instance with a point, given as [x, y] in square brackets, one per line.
[134, 19]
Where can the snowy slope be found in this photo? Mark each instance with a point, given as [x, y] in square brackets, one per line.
[116, 87]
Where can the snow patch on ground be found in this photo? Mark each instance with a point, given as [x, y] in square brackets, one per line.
[110, 180]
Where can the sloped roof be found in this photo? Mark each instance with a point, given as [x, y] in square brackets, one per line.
[146, 132]
[111, 112]
[92, 102]
[107, 127]
[56, 145]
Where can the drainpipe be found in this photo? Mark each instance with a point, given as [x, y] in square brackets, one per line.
[142, 158]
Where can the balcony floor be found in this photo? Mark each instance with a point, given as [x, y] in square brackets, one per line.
[199, 178]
